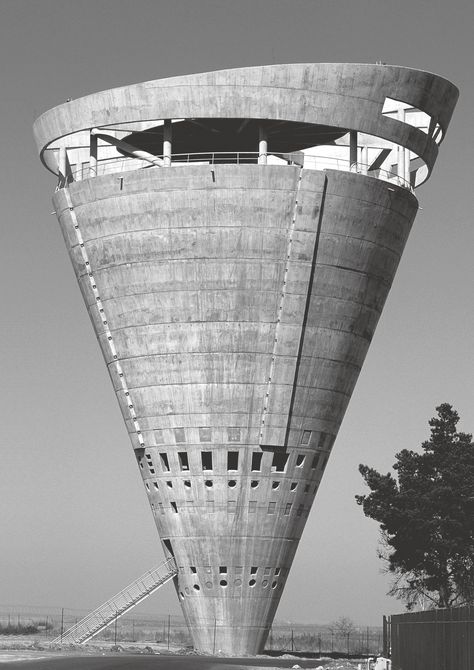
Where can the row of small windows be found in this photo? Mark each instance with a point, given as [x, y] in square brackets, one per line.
[232, 484]
[238, 570]
[224, 583]
[279, 461]
[234, 434]
[231, 507]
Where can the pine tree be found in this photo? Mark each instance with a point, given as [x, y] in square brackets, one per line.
[426, 516]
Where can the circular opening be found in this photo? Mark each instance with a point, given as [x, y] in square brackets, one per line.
[254, 484]
[252, 582]
[274, 585]
[196, 587]
[208, 483]
[208, 585]
[238, 582]
[275, 485]
[265, 583]
[223, 582]
[232, 483]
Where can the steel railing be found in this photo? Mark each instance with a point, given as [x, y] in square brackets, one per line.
[119, 604]
[305, 160]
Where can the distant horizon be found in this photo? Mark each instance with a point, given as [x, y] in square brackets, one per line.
[75, 520]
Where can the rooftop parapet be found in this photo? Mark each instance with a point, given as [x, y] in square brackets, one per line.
[380, 120]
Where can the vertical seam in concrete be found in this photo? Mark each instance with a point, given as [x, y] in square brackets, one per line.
[103, 317]
[291, 230]
[306, 308]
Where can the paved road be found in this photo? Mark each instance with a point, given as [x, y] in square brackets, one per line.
[155, 662]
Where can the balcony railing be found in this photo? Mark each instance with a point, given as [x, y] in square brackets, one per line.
[305, 160]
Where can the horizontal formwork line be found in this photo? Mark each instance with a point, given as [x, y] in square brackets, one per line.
[431, 622]
[196, 228]
[232, 383]
[373, 204]
[185, 186]
[246, 353]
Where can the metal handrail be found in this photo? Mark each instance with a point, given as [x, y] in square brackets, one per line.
[120, 603]
[306, 160]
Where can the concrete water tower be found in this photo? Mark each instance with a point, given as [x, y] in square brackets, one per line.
[235, 235]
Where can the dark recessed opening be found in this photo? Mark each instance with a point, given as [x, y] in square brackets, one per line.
[300, 460]
[254, 483]
[252, 582]
[206, 459]
[183, 460]
[223, 582]
[164, 462]
[293, 486]
[279, 461]
[253, 571]
[187, 483]
[232, 460]
[256, 461]
[196, 587]
[193, 569]
[232, 483]
[223, 569]
[209, 483]
[174, 507]
[275, 485]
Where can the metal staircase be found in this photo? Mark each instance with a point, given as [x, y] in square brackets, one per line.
[119, 604]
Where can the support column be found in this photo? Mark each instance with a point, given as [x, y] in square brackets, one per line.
[353, 150]
[365, 160]
[401, 151]
[93, 156]
[262, 145]
[167, 139]
[62, 165]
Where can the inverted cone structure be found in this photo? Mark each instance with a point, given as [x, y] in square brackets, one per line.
[234, 280]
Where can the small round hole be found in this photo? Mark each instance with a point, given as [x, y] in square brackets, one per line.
[252, 582]
[265, 583]
[208, 585]
[274, 585]
[254, 483]
[196, 587]
[208, 483]
[223, 582]
[232, 483]
[275, 485]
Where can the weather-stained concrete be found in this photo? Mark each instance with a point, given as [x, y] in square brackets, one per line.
[234, 305]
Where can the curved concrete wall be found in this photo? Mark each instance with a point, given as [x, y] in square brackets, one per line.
[234, 305]
[206, 297]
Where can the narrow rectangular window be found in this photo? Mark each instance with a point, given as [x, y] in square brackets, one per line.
[160, 505]
[179, 435]
[252, 506]
[288, 508]
[256, 461]
[300, 460]
[232, 460]
[299, 511]
[279, 461]
[206, 459]
[205, 434]
[277, 572]
[315, 462]
[164, 462]
[253, 571]
[271, 508]
[155, 484]
[174, 507]
[223, 569]
[183, 460]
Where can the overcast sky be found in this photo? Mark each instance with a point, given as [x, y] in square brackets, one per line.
[75, 525]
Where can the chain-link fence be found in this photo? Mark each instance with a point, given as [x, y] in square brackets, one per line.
[47, 623]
